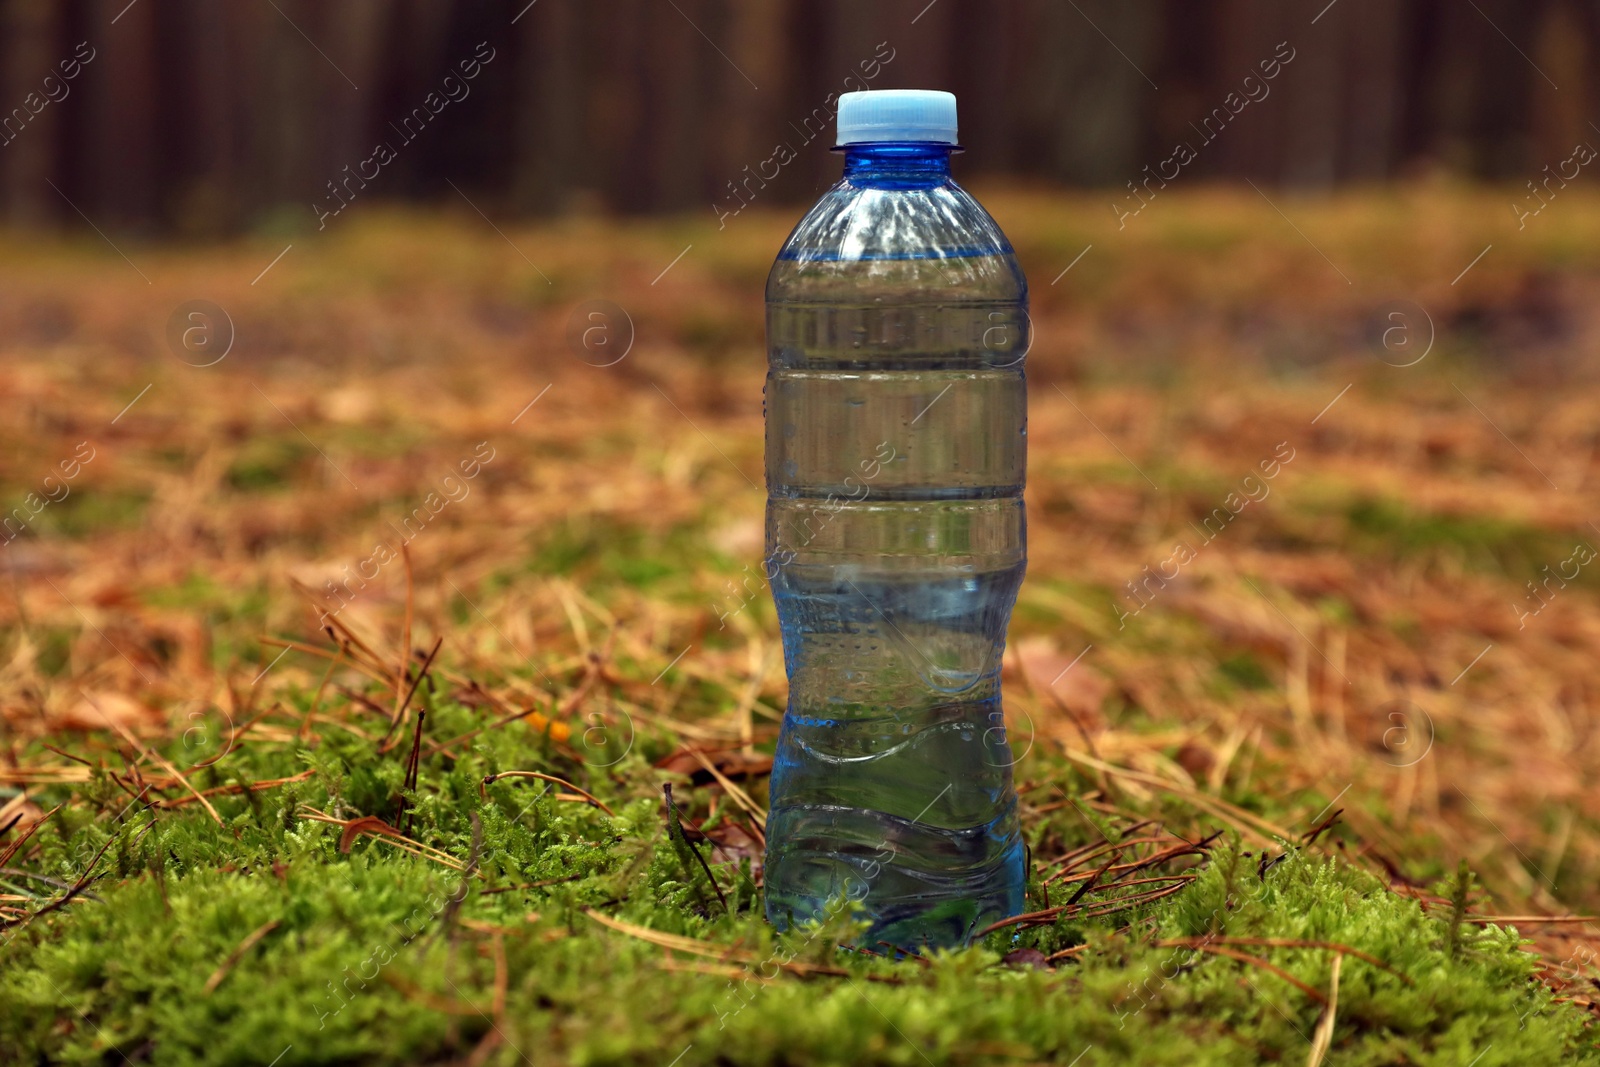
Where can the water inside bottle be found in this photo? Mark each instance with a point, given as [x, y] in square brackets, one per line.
[895, 464]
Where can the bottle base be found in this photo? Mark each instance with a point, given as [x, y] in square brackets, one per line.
[909, 898]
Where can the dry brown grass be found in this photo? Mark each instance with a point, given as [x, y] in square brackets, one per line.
[618, 511]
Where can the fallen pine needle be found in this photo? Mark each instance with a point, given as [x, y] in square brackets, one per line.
[44, 775]
[500, 975]
[1250, 824]
[1087, 852]
[1529, 919]
[242, 787]
[22, 839]
[1096, 910]
[677, 942]
[740, 797]
[313, 650]
[237, 954]
[1283, 942]
[1065, 953]
[581, 794]
[405, 646]
[157, 757]
[430, 1000]
[1323, 1037]
[382, 832]
[1267, 965]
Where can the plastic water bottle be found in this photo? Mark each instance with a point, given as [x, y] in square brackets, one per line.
[896, 413]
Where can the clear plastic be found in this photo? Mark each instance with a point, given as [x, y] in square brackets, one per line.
[896, 412]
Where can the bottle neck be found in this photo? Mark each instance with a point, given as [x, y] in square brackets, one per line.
[897, 163]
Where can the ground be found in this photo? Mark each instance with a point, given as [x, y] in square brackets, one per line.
[1318, 785]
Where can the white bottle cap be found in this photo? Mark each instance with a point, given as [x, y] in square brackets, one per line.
[897, 115]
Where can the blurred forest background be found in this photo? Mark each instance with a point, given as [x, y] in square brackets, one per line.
[197, 118]
[218, 401]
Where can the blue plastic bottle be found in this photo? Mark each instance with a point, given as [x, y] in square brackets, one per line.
[896, 413]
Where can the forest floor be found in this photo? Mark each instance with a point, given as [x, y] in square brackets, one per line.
[1323, 789]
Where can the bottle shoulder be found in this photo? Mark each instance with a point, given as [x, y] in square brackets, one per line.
[901, 240]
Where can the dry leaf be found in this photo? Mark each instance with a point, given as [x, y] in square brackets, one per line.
[99, 710]
[1076, 687]
[366, 824]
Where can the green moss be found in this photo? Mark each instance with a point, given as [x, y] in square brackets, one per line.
[269, 463]
[363, 957]
[597, 543]
[1244, 670]
[53, 650]
[201, 593]
[102, 510]
[1378, 525]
